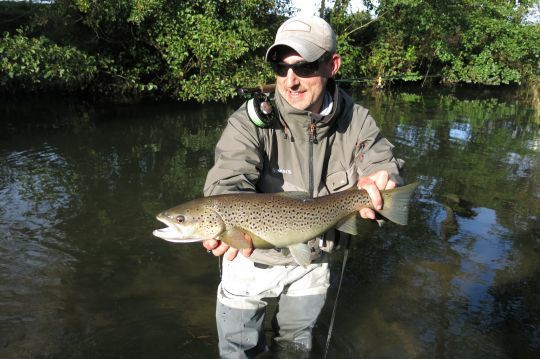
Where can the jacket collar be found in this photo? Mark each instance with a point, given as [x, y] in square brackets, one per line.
[291, 114]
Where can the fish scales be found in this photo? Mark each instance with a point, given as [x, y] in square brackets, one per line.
[276, 220]
[270, 216]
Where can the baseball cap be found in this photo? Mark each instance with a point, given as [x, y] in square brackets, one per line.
[309, 36]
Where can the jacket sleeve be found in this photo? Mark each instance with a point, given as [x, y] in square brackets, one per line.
[374, 151]
[237, 159]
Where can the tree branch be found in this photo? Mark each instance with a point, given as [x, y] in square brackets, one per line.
[365, 25]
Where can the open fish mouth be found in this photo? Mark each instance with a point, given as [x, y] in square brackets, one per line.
[170, 234]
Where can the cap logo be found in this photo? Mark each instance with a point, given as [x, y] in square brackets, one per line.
[297, 26]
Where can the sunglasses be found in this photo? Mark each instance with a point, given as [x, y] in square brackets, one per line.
[301, 68]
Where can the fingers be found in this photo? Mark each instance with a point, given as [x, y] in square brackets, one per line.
[231, 253]
[210, 244]
[220, 248]
[367, 213]
[390, 184]
[217, 247]
[370, 184]
[375, 196]
[373, 184]
[380, 179]
[246, 252]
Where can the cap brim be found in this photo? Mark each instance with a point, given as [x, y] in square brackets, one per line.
[308, 50]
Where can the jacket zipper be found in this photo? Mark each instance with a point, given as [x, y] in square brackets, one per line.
[312, 131]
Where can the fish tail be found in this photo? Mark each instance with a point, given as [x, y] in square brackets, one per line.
[396, 203]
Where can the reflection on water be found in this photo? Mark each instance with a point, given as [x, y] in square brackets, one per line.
[80, 272]
[441, 286]
[82, 276]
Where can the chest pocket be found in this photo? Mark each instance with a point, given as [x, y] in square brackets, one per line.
[336, 180]
[342, 179]
[342, 169]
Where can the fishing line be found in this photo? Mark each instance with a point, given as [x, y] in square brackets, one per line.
[219, 259]
[331, 326]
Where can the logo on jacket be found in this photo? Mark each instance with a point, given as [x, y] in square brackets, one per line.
[282, 171]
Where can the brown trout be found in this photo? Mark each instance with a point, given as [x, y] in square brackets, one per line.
[277, 220]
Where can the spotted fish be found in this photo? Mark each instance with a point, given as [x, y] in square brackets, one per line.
[279, 220]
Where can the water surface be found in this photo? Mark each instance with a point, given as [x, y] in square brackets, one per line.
[82, 276]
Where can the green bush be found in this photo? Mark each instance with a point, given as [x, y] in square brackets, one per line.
[36, 64]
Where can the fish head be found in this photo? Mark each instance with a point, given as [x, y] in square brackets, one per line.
[194, 221]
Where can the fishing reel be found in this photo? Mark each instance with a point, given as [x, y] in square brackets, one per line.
[260, 108]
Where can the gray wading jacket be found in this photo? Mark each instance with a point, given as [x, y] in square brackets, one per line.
[345, 145]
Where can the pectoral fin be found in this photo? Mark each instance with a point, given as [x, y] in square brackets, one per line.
[301, 254]
[235, 238]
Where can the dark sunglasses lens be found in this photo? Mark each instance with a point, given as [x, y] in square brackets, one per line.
[306, 69]
[280, 68]
[303, 69]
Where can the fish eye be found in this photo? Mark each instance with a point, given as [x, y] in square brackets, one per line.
[180, 219]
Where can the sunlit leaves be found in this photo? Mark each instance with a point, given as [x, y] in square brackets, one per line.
[208, 47]
[203, 49]
[196, 49]
[37, 63]
[482, 42]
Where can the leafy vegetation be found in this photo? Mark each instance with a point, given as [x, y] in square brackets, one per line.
[484, 42]
[38, 64]
[203, 49]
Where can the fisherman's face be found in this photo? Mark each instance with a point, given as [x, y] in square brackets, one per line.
[305, 92]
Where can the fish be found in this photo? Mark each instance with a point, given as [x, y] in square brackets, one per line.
[277, 220]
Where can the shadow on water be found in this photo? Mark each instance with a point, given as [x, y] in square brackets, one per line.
[82, 276]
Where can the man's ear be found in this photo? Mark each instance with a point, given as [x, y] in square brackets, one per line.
[335, 64]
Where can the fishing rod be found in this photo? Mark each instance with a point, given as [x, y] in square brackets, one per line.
[266, 88]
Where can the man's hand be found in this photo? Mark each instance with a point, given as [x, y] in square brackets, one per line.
[220, 248]
[373, 184]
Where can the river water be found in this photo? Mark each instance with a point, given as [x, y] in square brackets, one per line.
[82, 276]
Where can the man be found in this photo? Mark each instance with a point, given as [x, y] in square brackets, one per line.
[319, 142]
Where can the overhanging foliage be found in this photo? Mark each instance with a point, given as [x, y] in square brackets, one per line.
[204, 49]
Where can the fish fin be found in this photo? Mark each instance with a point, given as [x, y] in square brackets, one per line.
[294, 194]
[355, 225]
[396, 209]
[350, 224]
[235, 238]
[259, 242]
[396, 203]
[301, 253]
